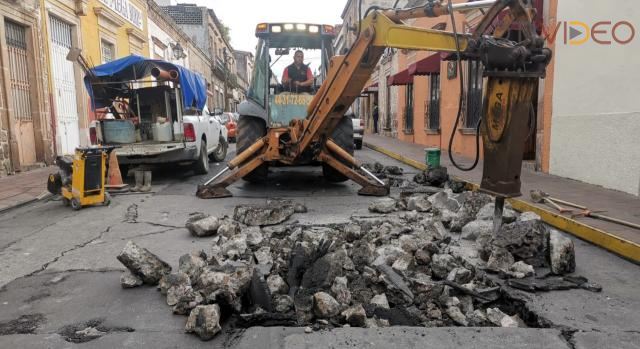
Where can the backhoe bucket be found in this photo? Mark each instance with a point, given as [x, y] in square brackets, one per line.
[212, 192]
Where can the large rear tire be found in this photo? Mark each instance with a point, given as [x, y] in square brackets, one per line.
[342, 136]
[250, 129]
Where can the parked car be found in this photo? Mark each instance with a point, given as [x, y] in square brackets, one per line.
[358, 128]
[148, 132]
[231, 123]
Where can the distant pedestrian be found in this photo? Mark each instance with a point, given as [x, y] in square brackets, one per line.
[375, 117]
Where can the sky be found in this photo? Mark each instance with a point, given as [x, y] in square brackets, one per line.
[243, 15]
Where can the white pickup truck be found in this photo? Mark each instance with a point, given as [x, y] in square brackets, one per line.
[358, 128]
[149, 122]
[195, 138]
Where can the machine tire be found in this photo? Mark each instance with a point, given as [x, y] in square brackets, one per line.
[342, 136]
[359, 145]
[249, 130]
[221, 151]
[201, 166]
[75, 204]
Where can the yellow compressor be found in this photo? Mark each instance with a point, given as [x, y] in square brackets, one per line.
[81, 177]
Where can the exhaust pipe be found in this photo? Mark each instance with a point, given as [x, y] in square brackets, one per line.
[171, 75]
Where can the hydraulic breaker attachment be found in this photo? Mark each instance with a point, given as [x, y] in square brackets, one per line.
[244, 165]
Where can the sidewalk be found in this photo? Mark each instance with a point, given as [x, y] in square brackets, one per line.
[23, 188]
[616, 204]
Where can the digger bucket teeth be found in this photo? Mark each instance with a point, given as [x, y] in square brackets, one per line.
[374, 190]
[212, 192]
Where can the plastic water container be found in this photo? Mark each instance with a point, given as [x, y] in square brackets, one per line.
[161, 132]
[118, 131]
[177, 131]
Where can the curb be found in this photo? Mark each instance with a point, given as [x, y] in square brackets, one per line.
[622, 247]
[45, 195]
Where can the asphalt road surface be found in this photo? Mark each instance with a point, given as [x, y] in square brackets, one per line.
[58, 268]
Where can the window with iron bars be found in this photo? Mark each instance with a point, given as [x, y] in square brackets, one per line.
[433, 108]
[408, 112]
[474, 94]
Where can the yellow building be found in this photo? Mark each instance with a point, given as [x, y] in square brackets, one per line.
[105, 30]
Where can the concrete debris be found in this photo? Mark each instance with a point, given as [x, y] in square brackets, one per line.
[473, 229]
[380, 300]
[192, 264]
[500, 260]
[562, 256]
[385, 205]
[277, 285]
[263, 215]
[435, 177]
[129, 280]
[442, 265]
[204, 321]
[419, 203]
[486, 213]
[169, 280]
[340, 290]
[356, 316]
[143, 263]
[529, 216]
[521, 270]
[389, 268]
[325, 306]
[202, 227]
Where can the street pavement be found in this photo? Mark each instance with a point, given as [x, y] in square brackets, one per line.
[58, 268]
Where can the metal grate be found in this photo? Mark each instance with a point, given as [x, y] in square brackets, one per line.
[408, 114]
[18, 69]
[60, 32]
[434, 102]
[181, 14]
[474, 94]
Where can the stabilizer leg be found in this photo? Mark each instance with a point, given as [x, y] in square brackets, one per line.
[368, 188]
[219, 190]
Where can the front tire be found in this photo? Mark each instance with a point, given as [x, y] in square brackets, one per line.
[201, 166]
[342, 136]
[250, 129]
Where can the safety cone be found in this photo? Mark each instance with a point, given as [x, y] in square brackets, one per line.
[114, 177]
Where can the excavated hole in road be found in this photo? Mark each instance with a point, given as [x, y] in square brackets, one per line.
[428, 258]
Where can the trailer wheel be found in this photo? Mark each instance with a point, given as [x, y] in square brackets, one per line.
[249, 130]
[75, 204]
[342, 136]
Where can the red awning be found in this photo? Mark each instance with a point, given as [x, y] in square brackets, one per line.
[402, 78]
[373, 88]
[426, 66]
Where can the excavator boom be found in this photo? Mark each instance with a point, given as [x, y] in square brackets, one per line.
[512, 70]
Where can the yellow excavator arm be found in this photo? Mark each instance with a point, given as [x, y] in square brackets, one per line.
[512, 70]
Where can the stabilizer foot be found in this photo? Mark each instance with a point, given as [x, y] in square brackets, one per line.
[374, 190]
[212, 192]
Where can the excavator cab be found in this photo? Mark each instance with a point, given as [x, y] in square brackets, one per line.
[273, 104]
[277, 46]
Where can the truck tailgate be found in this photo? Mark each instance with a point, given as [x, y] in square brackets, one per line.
[148, 149]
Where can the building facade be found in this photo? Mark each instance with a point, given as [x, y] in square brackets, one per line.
[244, 70]
[25, 112]
[574, 133]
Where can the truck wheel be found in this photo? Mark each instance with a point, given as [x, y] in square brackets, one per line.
[221, 151]
[342, 136]
[201, 166]
[250, 129]
[359, 145]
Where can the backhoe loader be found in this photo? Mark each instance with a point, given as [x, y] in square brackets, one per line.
[308, 134]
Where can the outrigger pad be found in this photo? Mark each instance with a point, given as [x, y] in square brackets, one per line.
[212, 192]
[374, 190]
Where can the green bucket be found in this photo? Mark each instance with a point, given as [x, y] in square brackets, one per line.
[432, 157]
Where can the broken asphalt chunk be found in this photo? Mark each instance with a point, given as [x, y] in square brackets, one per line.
[143, 263]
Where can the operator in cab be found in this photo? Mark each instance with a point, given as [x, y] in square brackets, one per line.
[297, 77]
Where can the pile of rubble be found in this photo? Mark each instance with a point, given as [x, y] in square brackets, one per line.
[415, 264]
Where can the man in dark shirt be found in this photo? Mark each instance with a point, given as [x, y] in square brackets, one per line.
[297, 77]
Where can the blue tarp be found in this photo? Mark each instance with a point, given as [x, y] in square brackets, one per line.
[133, 67]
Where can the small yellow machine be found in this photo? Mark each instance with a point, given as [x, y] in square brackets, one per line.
[81, 178]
